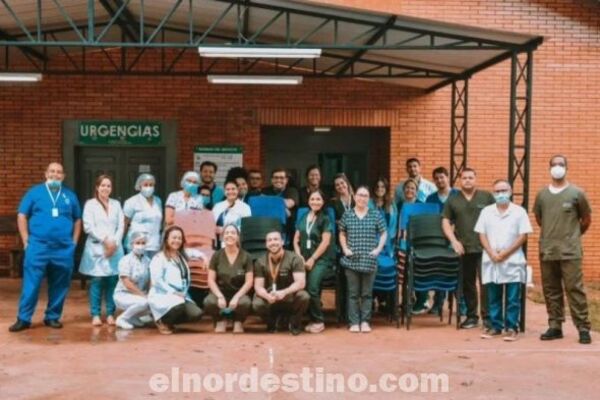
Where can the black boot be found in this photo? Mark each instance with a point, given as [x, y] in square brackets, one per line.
[19, 326]
[551, 334]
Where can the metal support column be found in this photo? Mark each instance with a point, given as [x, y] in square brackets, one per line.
[458, 128]
[520, 137]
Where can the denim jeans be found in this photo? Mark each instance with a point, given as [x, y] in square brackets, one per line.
[504, 317]
[102, 286]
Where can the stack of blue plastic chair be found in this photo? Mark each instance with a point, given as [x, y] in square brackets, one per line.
[431, 263]
[386, 283]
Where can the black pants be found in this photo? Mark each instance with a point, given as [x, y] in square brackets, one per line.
[182, 313]
[471, 265]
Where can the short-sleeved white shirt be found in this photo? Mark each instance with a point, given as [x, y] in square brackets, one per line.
[176, 200]
[502, 230]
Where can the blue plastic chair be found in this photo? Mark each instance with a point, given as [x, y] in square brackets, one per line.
[268, 206]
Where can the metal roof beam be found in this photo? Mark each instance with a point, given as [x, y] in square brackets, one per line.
[372, 40]
[124, 18]
[25, 49]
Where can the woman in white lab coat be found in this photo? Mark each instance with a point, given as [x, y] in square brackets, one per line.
[170, 278]
[131, 294]
[103, 222]
[143, 213]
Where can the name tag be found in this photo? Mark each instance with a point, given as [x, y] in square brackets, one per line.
[308, 244]
[54, 212]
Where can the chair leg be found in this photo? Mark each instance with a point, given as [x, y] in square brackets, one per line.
[450, 306]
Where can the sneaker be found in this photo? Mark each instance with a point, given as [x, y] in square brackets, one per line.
[238, 327]
[469, 323]
[315, 327]
[418, 310]
[123, 323]
[584, 337]
[96, 321]
[135, 321]
[365, 327]
[163, 329]
[491, 333]
[435, 310]
[221, 326]
[511, 335]
[354, 329]
[551, 334]
[110, 320]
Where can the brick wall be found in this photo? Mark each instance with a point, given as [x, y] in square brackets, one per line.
[565, 106]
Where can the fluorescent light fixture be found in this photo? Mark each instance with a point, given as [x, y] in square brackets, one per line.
[322, 129]
[255, 79]
[258, 52]
[19, 77]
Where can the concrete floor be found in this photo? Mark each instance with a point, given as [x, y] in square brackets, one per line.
[101, 363]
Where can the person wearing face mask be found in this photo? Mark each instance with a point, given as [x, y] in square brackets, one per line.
[143, 213]
[186, 199]
[460, 215]
[503, 228]
[134, 278]
[49, 223]
[563, 212]
[104, 223]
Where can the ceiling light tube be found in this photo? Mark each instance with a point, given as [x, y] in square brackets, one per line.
[255, 79]
[19, 77]
[258, 52]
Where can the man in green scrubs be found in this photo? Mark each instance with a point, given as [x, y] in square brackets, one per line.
[462, 210]
[564, 214]
[279, 283]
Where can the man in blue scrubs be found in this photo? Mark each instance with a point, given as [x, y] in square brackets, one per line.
[49, 221]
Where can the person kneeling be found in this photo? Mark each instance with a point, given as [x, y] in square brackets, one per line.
[230, 277]
[168, 297]
[279, 282]
[132, 290]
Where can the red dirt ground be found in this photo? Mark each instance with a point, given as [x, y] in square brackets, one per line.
[101, 363]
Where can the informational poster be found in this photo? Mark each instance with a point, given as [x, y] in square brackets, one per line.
[225, 157]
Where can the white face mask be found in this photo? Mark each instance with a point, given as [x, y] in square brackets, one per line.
[147, 191]
[558, 171]
[138, 249]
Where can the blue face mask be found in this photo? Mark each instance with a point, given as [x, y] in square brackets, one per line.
[191, 188]
[502, 198]
[53, 184]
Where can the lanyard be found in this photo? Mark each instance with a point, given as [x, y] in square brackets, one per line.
[310, 225]
[274, 273]
[347, 206]
[54, 201]
[182, 270]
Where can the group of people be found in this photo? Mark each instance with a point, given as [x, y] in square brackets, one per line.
[136, 260]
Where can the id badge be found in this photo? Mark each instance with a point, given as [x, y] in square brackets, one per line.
[274, 287]
[55, 212]
[308, 243]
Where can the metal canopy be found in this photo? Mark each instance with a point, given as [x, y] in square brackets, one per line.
[356, 43]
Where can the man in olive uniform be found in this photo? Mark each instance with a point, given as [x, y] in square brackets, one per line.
[564, 214]
[462, 210]
[279, 285]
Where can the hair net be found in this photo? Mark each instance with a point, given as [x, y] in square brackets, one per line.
[189, 174]
[143, 178]
[135, 235]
